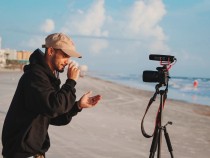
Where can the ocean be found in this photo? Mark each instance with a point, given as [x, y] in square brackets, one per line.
[180, 88]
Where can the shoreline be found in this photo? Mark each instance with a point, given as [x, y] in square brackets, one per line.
[152, 92]
[179, 89]
[204, 110]
[4, 70]
[148, 92]
[113, 127]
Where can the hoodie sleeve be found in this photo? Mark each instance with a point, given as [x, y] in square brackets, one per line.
[42, 98]
[65, 118]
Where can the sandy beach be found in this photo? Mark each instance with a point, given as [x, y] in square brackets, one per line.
[113, 128]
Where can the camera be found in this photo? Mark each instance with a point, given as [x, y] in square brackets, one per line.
[162, 74]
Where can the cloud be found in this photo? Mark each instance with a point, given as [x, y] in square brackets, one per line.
[48, 26]
[88, 23]
[144, 18]
[37, 40]
[140, 22]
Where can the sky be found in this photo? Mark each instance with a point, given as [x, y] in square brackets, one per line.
[115, 36]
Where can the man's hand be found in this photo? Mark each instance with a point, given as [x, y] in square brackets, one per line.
[86, 101]
[73, 72]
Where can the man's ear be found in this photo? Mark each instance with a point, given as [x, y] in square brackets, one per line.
[50, 51]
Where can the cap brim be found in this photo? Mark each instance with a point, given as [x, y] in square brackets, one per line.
[72, 53]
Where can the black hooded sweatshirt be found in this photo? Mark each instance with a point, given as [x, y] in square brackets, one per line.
[37, 102]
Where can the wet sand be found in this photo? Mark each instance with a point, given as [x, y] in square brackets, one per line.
[112, 128]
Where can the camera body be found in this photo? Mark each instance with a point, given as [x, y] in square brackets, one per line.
[162, 74]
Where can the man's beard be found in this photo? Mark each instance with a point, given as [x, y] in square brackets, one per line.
[60, 71]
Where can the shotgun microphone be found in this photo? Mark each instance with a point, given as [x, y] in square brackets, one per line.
[159, 57]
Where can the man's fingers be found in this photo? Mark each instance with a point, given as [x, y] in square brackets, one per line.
[72, 65]
[97, 97]
[94, 100]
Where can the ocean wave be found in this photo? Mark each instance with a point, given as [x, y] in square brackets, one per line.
[179, 87]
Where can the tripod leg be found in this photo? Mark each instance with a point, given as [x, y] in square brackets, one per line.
[170, 149]
[154, 143]
[159, 143]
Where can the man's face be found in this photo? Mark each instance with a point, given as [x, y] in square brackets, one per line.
[59, 60]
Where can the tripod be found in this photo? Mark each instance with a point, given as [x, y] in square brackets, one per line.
[157, 137]
[162, 77]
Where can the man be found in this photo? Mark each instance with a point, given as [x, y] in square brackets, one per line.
[39, 101]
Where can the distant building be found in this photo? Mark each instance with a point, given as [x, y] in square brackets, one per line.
[6, 54]
[10, 54]
[23, 57]
[2, 58]
[12, 58]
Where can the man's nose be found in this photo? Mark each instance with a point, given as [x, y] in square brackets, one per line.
[66, 61]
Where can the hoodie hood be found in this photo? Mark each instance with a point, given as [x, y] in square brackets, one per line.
[37, 61]
[37, 57]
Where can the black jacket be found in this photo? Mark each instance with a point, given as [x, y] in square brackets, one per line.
[38, 102]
